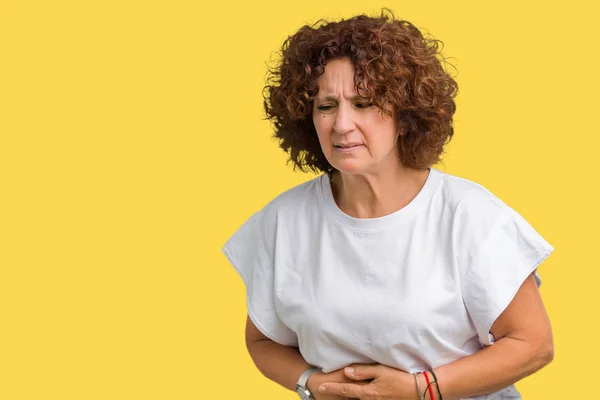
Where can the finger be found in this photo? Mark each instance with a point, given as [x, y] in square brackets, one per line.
[350, 390]
[361, 372]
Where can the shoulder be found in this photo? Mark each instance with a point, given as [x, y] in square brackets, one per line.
[295, 206]
[302, 197]
[473, 213]
[467, 198]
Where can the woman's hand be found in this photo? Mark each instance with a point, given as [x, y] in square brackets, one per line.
[384, 383]
[337, 376]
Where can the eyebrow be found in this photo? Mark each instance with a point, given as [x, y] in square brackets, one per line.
[333, 98]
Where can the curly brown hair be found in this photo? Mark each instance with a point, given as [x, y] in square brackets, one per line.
[394, 65]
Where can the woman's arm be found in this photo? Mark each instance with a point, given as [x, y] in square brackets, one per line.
[284, 364]
[523, 345]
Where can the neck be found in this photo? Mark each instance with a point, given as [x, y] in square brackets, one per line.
[374, 195]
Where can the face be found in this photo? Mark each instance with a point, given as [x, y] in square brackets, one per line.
[354, 135]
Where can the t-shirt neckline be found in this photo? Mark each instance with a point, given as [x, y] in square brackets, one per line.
[380, 222]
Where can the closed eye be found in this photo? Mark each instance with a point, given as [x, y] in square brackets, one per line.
[324, 108]
[363, 105]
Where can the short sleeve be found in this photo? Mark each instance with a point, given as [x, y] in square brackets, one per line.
[508, 254]
[245, 250]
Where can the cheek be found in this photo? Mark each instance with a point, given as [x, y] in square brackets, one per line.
[378, 132]
[323, 124]
[385, 124]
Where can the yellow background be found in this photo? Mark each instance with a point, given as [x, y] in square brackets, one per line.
[132, 145]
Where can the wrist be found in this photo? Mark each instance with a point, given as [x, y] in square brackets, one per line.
[425, 392]
[313, 382]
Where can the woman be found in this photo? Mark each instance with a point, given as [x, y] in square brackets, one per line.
[384, 278]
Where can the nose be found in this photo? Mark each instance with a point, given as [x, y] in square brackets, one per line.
[344, 120]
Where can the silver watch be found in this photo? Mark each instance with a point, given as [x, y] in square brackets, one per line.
[301, 388]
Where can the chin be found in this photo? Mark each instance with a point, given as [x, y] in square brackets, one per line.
[350, 167]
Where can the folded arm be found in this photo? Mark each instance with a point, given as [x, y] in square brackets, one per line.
[284, 364]
[523, 345]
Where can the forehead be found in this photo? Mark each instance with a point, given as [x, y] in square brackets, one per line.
[339, 66]
[337, 79]
[339, 72]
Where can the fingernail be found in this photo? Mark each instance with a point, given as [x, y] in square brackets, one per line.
[350, 370]
[322, 389]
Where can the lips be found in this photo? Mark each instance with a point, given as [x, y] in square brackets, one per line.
[348, 148]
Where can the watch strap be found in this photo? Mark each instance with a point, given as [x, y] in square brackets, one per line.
[304, 377]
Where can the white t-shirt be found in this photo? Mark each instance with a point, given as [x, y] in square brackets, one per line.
[414, 290]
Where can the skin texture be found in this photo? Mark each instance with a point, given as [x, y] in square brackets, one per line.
[340, 115]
